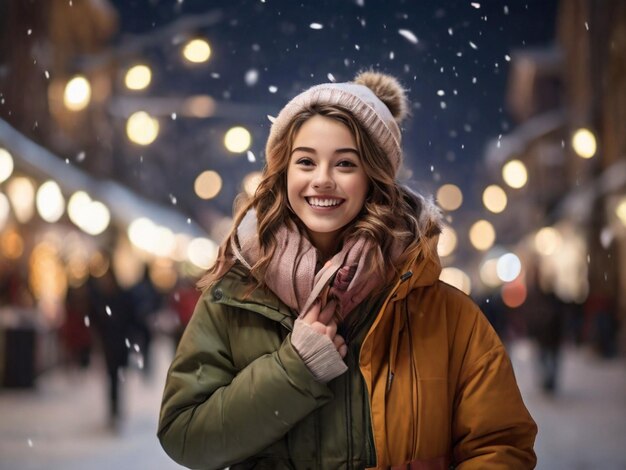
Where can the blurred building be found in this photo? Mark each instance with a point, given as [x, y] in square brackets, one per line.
[569, 214]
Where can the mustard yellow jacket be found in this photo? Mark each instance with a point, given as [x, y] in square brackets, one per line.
[429, 384]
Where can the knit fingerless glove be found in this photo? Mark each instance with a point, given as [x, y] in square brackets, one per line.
[318, 352]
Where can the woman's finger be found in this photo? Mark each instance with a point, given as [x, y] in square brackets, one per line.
[331, 329]
[312, 314]
[328, 312]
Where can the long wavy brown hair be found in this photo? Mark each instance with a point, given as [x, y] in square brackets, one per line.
[391, 211]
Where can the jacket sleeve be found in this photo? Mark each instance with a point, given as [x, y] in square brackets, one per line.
[212, 414]
[491, 427]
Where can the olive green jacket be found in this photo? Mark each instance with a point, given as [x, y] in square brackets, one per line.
[428, 381]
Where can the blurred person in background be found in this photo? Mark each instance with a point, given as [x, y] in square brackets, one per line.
[75, 334]
[113, 318]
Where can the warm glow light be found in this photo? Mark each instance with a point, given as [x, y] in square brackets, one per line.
[584, 143]
[163, 275]
[5, 208]
[50, 202]
[77, 93]
[449, 197]
[447, 242]
[92, 217]
[208, 184]
[141, 233]
[197, 51]
[547, 241]
[21, 192]
[251, 181]
[199, 106]
[11, 243]
[489, 273]
[165, 242]
[457, 278]
[237, 139]
[514, 294]
[482, 235]
[515, 174]
[138, 77]
[6, 165]
[620, 211]
[494, 199]
[142, 128]
[202, 252]
[509, 267]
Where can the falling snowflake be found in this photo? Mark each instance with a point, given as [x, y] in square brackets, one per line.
[173, 199]
[29, 32]
[252, 77]
[473, 46]
[86, 321]
[188, 221]
[473, 79]
[586, 26]
[408, 35]
[273, 89]
[441, 92]
[475, 5]
[450, 31]
[391, 55]
[47, 74]
[173, 116]
[81, 156]
[251, 157]
[316, 26]
[443, 105]
[215, 75]
[357, 47]
[30, 442]
[108, 310]
[331, 77]
[507, 57]
[506, 10]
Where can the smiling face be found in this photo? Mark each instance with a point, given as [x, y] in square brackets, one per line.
[326, 180]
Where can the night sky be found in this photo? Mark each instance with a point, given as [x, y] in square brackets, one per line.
[451, 56]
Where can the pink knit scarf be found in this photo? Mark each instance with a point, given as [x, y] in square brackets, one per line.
[291, 273]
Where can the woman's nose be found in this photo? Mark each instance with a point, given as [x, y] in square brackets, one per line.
[323, 179]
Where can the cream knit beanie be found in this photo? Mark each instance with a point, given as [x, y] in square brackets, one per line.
[376, 100]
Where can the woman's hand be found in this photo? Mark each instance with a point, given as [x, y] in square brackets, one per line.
[322, 320]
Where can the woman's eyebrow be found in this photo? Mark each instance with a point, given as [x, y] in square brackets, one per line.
[312, 150]
[303, 149]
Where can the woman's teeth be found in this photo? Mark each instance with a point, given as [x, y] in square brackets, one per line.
[316, 201]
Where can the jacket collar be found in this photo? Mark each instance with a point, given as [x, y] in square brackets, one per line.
[238, 289]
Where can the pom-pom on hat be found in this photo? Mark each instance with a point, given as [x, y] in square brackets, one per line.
[376, 100]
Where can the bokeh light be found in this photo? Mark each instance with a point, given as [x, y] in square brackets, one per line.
[482, 235]
[6, 165]
[21, 192]
[515, 174]
[237, 139]
[142, 128]
[5, 210]
[251, 182]
[208, 184]
[547, 241]
[508, 267]
[77, 93]
[202, 252]
[138, 77]
[457, 278]
[447, 242]
[584, 143]
[494, 198]
[449, 197]
[50, 202]
[197, 51]
[514, 293]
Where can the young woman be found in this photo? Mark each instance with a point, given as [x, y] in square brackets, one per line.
[324, 339]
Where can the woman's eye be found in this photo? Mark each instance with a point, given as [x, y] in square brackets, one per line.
[304, 161]
[346, 164]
